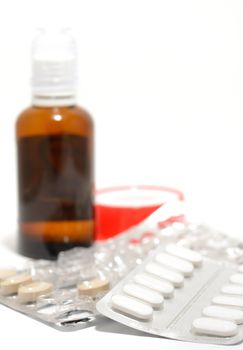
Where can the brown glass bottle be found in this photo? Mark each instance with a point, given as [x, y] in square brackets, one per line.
[55, 180]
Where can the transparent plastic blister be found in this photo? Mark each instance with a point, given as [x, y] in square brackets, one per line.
[174, 319]
[70, 307]
[55, 308]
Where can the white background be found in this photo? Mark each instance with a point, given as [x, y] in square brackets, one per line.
[164, 83]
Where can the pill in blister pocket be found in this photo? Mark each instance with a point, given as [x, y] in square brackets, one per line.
[237, 278]
[163, 287]
[223, 313]
[184, 253]
[6, 273]
[144, 294]
[132, 307]
[174, 277]
[185, 267]
[214, 326]
[30, 292]
[11, 284]
[233, 289]
[93, 287]
[226, 300]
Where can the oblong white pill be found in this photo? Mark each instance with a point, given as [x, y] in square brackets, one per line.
[232, 289]
[226, 300]
[178, 264]
[175, 278]
[5, 273]
[240, 268]
[214, 326]
[30, 292]
[144, 294]
[132, 307]
[237, 278]
[223, 313]
[11, 284]
[185, 253]
[163, 287]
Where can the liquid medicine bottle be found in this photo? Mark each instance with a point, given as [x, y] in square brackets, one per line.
[55, 154]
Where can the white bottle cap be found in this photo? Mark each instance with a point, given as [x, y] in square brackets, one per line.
[54, 68]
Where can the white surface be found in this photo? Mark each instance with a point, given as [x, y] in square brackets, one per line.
[164, 82]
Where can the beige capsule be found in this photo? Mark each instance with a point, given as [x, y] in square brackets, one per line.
[11, 284]
[30, 292]
[93, 287]
[5, 273]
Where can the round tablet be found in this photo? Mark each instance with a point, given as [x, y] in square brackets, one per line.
[5, 273]
[11, 284]
[93, 287]
[30, 292]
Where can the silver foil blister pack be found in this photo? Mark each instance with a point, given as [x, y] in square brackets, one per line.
[71, 307]
[68, 303]
[180, 316]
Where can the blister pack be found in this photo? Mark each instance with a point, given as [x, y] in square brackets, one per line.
[64, 304]
[179, 294]
[64, 293]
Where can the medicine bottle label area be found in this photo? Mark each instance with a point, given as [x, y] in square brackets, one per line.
[55, 194]
[54, 178]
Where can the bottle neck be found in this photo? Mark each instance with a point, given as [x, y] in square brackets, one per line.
[40, 100]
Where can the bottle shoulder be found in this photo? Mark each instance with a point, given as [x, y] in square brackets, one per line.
[54, 120]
